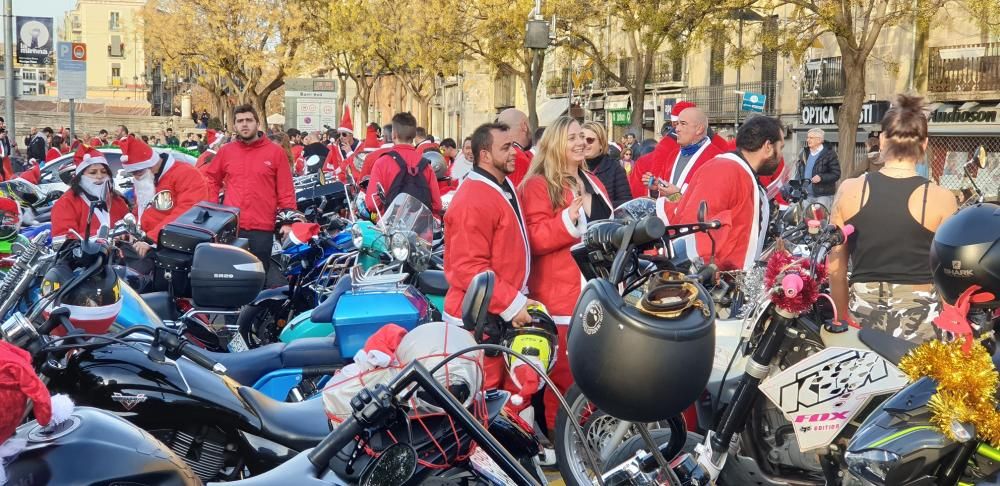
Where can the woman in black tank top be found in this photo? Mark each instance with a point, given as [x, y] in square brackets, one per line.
[894, 213]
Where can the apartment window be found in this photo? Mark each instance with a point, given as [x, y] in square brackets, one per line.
[769, 55]
[116, 48]
[677, 66]
[29, 75]
[717, 66]
[503, 90]
[116, 75]
[114, 21]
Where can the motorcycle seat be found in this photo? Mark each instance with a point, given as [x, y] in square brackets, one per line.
[298, 425]
[324, 311]
[161, 304]
[432, 282]
[249, 366]
[891, 348]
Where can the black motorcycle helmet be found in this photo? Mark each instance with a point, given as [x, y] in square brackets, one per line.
[966, 252]
[643, 360]
[10, 219]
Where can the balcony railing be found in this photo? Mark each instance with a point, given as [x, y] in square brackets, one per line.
[556, 86]
[722, 102]
[968, 67]
[824, 78]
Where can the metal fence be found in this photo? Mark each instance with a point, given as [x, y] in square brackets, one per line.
[947, 157]
[721, 102]
[824, 78]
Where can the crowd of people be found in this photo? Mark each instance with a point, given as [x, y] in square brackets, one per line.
[520, 199]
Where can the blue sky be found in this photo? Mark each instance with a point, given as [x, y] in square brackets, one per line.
[46, 8]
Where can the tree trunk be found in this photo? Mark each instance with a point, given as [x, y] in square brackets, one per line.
[920, 58]
[341, 92]
[531, 79]
[364, 95]
[638, 92]
[850, 111]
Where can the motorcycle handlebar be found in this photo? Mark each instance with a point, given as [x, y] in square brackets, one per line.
[647, 230]
[344, 434]
[193, 354]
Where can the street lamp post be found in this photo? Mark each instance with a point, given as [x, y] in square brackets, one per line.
[742, 15]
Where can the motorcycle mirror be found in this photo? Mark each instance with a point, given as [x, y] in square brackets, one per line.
[981, 157]
[393, 466]
[476, 304]
[381, 192]
[818, 212]
[163, 201]
[702, 211]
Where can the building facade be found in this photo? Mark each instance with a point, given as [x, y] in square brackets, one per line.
[116, 63]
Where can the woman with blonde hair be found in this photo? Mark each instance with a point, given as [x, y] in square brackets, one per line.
[558, 197]
[895, 212]
[603, 165]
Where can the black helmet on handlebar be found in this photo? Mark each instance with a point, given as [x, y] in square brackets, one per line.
[286, 217]
[966, 252]
[93, 299]
[10, 219]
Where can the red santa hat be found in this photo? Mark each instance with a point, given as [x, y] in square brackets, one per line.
[303, 232]
[675, 113]
[10, 206]
[371, 139]
[18, 384]
[86, 156]
[136, 155]
[212, 138]
[345, 121]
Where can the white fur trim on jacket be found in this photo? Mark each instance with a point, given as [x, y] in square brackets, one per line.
[576, 231]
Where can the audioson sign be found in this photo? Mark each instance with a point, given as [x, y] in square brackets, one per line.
[957, 116]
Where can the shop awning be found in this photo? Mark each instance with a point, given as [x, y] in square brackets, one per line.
[619, 102]
[552, 109]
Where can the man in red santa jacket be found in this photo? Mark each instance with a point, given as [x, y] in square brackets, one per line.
[655, 163]
[343, 148]
[728, 184]
[521, 133]
[695, 148]
[153, 172]
[484, 230]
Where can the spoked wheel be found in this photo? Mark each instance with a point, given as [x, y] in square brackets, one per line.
[604, 434]
[258, 324]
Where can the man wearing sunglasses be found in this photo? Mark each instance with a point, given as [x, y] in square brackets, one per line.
[342, 148]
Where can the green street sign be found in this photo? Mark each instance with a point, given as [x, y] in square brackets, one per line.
[621, 117]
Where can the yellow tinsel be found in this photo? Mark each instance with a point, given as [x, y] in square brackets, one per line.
[967, 386]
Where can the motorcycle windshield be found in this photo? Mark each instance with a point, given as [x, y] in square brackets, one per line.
[635, 209]
[407, 214]
[22, 191]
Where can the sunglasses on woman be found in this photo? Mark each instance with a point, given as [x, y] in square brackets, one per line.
[589, 140]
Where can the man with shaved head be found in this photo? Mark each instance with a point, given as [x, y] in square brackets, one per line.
[521, 135]
[695, 149]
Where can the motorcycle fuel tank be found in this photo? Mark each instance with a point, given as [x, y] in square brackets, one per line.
[124, 380]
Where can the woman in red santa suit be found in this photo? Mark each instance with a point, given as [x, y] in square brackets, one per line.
[91, 184]
[559, 197]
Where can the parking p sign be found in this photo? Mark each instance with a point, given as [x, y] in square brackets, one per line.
[71, 73]
[753, 102]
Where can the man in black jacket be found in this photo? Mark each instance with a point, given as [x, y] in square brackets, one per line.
[38, 145]
[819, 168]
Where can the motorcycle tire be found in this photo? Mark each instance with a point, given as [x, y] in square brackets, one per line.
[258, 323]
[598, 427]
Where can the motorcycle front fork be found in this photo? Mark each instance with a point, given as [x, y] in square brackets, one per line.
[711, 455]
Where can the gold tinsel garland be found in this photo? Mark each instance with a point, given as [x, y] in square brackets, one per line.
[967, 386]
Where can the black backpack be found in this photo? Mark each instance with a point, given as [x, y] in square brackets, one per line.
[410, 182]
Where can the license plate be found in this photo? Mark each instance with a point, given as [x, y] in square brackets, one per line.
[237, 344]
[485, 466]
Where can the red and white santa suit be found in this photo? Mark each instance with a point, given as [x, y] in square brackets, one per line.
[214, 141]
[185, 183]
[72, 210]
[658, 163]
[682, 177]
[484, 230]
[338, 159]
[735, 198]
[522, 162]
[555, 279]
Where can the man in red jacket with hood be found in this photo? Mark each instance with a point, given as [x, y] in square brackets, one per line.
[386, 169]
[153, 172]
[254, 174]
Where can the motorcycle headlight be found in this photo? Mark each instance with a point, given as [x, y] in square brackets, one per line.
[357, 236]
[872, 465]
[399, 245]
